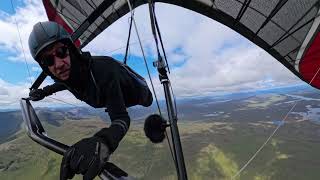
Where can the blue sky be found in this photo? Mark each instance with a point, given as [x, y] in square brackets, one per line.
[13, 71]
[209, 58]
[7, 7]
[18, 71]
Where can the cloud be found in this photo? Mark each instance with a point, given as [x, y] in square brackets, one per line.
[3, 91]
[62, 98]
[237, 69]
[205, 57]
[36, 69]
[113, 39]
[12, 94]
[25, 17]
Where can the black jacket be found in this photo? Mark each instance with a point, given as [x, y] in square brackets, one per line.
[102, 81]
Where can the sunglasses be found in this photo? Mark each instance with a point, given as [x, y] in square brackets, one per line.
[60, 52]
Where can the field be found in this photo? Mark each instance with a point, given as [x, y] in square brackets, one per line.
[212, 150]
[218, 137]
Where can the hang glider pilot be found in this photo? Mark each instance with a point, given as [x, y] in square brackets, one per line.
[100, 81]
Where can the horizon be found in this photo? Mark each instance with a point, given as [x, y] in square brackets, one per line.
[242, 103]
[215, 59]
[273, 90]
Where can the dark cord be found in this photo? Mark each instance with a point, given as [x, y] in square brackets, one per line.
[154, 29]
[128, 41]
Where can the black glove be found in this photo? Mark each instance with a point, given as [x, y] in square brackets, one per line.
[37, 94]
[88, 157]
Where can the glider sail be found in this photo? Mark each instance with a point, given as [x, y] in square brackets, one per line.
[286, 29]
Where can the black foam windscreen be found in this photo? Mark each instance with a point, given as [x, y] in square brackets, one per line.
[154, 128]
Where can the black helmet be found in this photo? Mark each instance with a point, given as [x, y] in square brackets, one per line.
[45, 33]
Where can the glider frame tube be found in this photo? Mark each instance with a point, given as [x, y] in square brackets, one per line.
[37, 133]
[177, 147]
[172, 115]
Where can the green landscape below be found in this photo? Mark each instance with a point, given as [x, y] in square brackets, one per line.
[212, 150]
[216, 146]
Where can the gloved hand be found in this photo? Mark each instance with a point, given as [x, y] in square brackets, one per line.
[88, 157]
[37, 94]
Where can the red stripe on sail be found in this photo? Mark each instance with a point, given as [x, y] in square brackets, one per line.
[310, 63]
[54, 16]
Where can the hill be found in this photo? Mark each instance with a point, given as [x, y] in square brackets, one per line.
[219, 135]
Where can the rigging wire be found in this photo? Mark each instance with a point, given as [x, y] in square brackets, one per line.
[128, 40]
[63, 101]
[153, 26]
[126, 58]
[272, 134]
[159, 34]
[156, 31]
[145, 61]
[24, 55]
[27, 65]
[143, 54]
[175, 102]
[170, 147]
[25, 59]
[130, 44]
[127, 46]
[176, 119]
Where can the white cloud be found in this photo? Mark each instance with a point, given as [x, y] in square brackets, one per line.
[240, 68]
[25, 17]
[210, 56]
[205, 56]
[115, 36]
[12, 94]
[3, 91]
[36, 69]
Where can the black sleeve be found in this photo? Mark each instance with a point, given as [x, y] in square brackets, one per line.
[120, 120]
[50, 89]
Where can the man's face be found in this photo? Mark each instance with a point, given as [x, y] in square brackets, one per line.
[57, 59]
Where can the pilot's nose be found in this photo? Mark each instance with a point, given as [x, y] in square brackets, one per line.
[58, 62]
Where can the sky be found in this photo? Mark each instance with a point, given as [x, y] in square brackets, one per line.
[205, 57]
